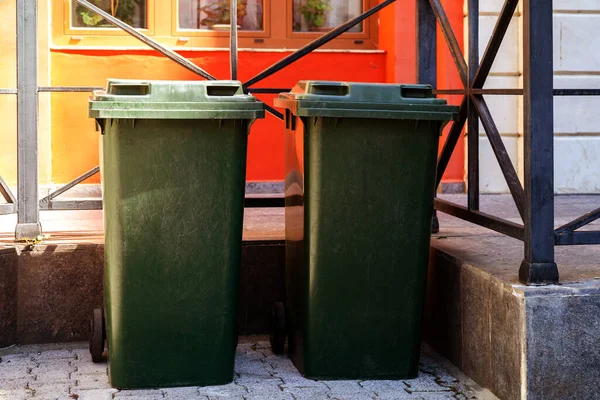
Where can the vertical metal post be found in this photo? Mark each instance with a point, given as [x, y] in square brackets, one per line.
[538, 265]
[426, 44]
[28, 225]
[427, 61]
[473, 118]
[234, 40]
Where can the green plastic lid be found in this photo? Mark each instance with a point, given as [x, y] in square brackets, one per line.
[174, 100]
[365, 100]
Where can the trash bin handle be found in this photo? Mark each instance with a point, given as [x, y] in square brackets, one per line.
[416, 91]
[129, 89]
[328, 89]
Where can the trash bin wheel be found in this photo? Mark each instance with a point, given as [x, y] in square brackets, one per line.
[278, 329]
[435, 223]
[97, 335]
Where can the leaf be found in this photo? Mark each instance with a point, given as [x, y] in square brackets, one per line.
[91, 20]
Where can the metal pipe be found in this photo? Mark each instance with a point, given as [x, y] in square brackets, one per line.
[148, 41]
[480, 218]
[472, 116]
[233, 51]
[577, 238]
[28, 225]
[499, 149]
[538, 265]
[453, 45]
[68, 89]
[6, 192]
[493, 46]
[580, 222]
[315, 44]
[71, 184]
[267, 91]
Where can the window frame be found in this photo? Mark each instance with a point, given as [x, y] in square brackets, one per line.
[277, 34]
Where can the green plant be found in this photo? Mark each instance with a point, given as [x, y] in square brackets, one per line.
[219, 12]
[315, 12]
[122, 9]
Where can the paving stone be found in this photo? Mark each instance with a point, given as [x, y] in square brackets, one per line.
[85, 382]
[385, 387]
[92, 394]
[58, 390]
[182, 393]
[54, 355]
[134, 394]
[342, 390]
[90, 368]
[424, 383]
[17, 372]
[308, 393]
[15, 383]
[15, 394]
[433, 396]
[270, 393]
[259, 375]
[47, 371]
[232, 390]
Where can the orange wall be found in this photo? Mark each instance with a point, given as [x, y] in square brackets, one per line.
[448, 78]
[75, 141]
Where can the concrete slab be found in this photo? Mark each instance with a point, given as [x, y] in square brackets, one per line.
[521, 342]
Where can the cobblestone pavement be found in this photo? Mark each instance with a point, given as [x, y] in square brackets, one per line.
[67, 372]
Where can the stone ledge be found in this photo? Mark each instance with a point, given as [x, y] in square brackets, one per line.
[48, 292]
[536, 342]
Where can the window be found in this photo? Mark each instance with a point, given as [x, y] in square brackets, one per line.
[205, 23]
[321, 16]
[133, 12]
[215, 15]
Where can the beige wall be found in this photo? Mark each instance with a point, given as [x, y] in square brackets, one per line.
[576, 119]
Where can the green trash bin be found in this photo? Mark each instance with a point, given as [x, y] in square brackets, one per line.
[360, 175]
[173, 178]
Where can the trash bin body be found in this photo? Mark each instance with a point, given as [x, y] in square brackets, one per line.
[173, 177]
[360, 177]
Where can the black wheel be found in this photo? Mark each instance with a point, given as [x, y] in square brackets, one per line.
[435, 223]
[278, 331]
[97, 335]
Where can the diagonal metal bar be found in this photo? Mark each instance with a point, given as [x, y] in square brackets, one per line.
[6, 192]
[451, 140]
[273, 112]
[453, 45]
[315, 44]
[233, 34]
[508, 170]
[576, 238]
[70, 185]
[148, 41]
[494, 44]
[267, 90]
[480, 218]
[580, 222]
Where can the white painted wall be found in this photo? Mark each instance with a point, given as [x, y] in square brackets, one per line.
[576, 119]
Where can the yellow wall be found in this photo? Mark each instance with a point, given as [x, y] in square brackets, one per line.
[8, 102]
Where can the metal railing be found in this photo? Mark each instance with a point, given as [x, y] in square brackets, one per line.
[534, 200]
